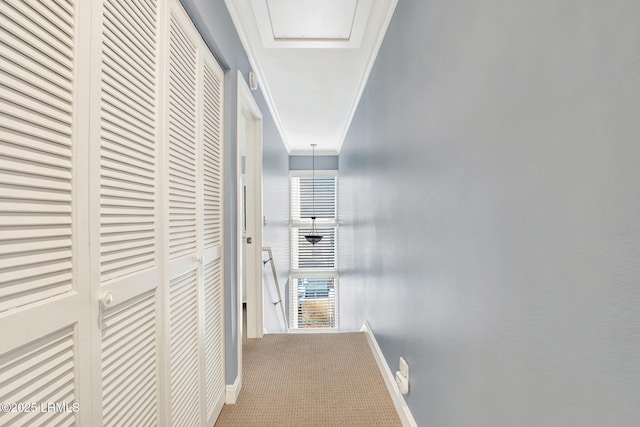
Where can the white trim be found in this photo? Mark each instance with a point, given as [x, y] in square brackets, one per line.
[316, 273]
[389, 379]
[233, 391]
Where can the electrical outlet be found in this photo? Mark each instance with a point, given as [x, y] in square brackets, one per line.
[404, 367]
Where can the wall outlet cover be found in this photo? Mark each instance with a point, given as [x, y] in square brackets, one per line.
[404, 367]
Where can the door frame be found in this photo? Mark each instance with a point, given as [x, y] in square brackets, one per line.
[248, 111]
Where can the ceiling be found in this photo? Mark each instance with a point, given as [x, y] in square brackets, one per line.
[312, 58]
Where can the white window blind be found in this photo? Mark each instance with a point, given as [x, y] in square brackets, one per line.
[316, 302]
[303, 206]
[314, 291]
[322, 255]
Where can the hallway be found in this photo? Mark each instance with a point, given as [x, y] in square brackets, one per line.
[484, 232]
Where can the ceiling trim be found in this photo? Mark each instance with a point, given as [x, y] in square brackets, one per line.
[371, 60]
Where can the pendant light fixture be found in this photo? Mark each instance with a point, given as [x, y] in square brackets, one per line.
[313, 236]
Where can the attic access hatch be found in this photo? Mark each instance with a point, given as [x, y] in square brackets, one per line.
[311, 23]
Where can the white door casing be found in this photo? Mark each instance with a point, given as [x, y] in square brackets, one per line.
[249, 127]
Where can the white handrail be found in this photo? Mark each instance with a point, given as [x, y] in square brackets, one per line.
[277, 285]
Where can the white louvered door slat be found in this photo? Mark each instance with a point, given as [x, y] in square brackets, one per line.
[40, 372]
[184, 348]
[212, 152]
[41, 249]
[214, 339]
[130, 334]
[125, 216]
[182, 137]
[128, 148]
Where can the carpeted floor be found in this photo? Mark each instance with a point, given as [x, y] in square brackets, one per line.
[310, 380]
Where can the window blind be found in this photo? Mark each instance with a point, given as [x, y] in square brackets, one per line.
[322, 255]
[314, 291]
[302, 200]
[315, 302]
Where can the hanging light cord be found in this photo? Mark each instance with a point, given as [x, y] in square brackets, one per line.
[313, 237]
[313, 181]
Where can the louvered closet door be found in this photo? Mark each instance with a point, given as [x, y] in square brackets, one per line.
[181, 178]
[211, 223]
[194, 203]
[125, 222]
[44, 292]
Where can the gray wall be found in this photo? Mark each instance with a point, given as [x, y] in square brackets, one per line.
[490, 205]
[216, 27]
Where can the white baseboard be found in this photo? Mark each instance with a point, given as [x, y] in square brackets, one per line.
[389, 379]
[233, 390]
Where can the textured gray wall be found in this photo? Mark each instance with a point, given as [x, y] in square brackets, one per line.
[216, 27]
[490, 205]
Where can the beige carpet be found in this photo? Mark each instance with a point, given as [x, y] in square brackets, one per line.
[310, 380]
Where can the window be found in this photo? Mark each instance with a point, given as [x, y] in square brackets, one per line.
[314, 271]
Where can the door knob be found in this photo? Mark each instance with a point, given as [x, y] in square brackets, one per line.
[107, 299]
